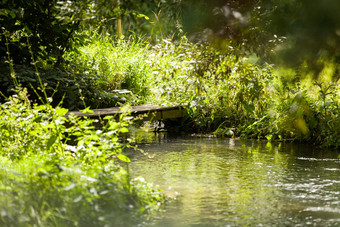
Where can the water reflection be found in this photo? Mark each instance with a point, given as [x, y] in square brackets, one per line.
[224, 182]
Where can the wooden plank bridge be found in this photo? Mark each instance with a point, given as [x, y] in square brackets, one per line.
[145, 112]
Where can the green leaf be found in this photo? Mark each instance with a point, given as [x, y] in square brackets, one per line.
[94, 137]
[113, 125]
[38, 119]
[108, 117]
[87, 110]
[142, 15]
[51, 141]
[3, 12]
[124, 130]
[123, 158]
[269, 137]
[61, 111]
[248, 107]
[12, 14]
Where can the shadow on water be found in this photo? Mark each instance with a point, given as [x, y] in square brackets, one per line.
[228, 182]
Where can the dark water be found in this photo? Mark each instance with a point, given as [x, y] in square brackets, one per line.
[227, 182]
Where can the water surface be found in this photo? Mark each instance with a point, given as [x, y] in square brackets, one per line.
[228, 182]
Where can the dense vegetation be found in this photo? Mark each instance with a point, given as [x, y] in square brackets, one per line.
[48, 180]
[238, 67]
[224, 92]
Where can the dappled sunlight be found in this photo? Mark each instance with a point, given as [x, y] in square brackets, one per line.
[247, 80]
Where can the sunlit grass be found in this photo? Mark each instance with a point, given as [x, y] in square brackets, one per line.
[221, 89]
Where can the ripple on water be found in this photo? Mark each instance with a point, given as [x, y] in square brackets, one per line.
[223, 183]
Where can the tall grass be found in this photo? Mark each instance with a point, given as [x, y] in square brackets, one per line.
[119, 64]
[223, 91]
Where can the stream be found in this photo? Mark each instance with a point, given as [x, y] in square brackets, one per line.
[233, 182]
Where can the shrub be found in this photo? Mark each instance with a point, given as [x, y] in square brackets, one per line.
[60, 170]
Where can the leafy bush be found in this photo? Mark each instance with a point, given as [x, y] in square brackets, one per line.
[59, 170]
[217, 86]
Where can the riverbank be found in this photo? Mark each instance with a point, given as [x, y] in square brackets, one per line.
[225, 91]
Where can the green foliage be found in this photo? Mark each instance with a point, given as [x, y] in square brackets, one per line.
[236, 97]
[59, 170]
[217, 86]
[72, 90]
[153, 18]
[221, 89]
[51, 27]
[47, 28]
[298, 112]
[311, 28]
[119, 65]
[291, 32]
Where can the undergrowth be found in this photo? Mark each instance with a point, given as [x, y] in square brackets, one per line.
[59, 170]
[222, 90]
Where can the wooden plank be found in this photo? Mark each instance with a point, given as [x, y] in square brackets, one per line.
[164, 114]
[151, 112]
